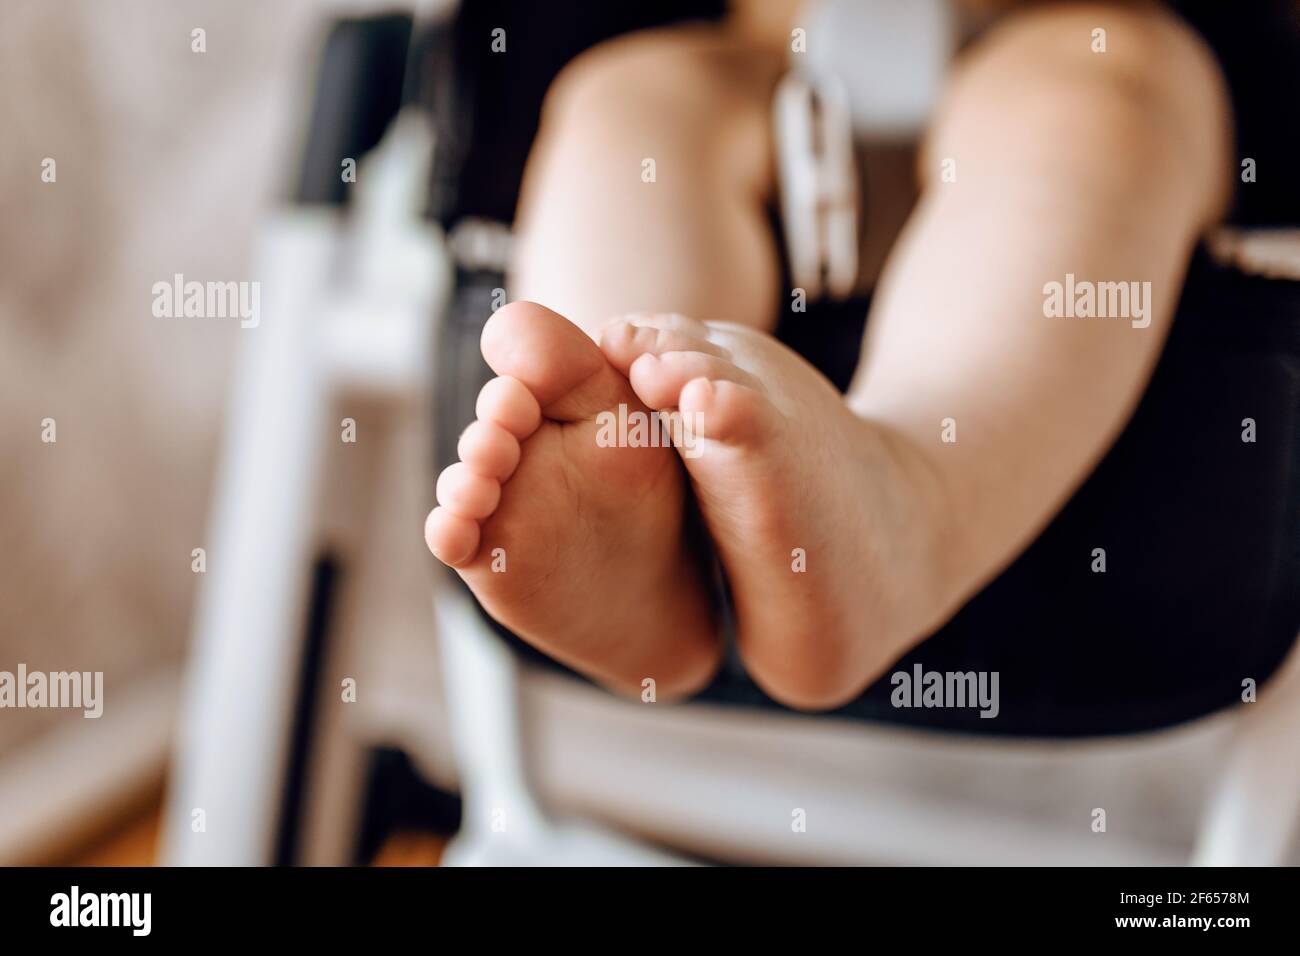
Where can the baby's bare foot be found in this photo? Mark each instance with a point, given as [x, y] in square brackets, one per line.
[815, 512]
[576, 546]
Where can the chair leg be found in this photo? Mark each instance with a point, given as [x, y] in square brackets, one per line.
[1251, 818]
[503, 822]
[229, 767]
[481, 683]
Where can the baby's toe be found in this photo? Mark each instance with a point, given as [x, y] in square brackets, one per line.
[726, 412]
[667, 320]
[452, 539]
[464, 492]
[489, 450]
[658, 380]
[626, 340]
[508, 403]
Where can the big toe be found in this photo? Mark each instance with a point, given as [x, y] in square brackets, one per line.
[563, 368]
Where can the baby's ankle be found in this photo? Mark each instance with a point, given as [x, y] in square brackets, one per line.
[923, 540]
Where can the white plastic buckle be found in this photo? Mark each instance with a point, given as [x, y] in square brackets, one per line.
[818, 185]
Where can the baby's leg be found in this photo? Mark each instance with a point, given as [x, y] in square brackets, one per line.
[1103, 168]
[647, 188]
[851, 531]
[579, 547]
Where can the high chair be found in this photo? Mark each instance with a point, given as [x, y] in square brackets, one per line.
[361, 291]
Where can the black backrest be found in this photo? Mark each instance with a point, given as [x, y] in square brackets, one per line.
[487, 103]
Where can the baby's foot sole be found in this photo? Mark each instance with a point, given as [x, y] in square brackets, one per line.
[577, 547]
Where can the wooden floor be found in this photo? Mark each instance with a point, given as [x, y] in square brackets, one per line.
[136, 844]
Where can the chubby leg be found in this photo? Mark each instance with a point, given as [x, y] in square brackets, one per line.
[1103, 166]
[851, 531]
[647, 188]
[579, 548]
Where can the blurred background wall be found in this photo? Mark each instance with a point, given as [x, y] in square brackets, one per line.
[165, 158]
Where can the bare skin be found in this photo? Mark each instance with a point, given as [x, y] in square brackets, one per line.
[1105, 166]
[542, 521]
[779, 471]
[595, 240]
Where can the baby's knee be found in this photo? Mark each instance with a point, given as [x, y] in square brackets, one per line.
[1120, 75]
[1052, 100]
[674, 80]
